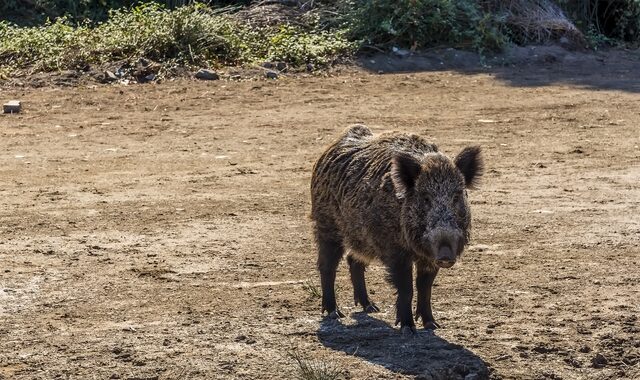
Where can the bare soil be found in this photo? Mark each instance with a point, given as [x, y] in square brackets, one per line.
[161, 231]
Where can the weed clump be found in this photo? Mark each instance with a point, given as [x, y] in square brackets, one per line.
[422, 23]
[314, 369]
[193, 35]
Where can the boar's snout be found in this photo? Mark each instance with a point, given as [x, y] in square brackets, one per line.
[446, 257]
[447, 246]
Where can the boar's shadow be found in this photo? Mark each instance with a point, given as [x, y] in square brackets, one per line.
[425, 355]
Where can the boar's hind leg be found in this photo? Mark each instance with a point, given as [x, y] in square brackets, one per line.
[424, 281]
[356, 268]
[330, 252]
[401, 276]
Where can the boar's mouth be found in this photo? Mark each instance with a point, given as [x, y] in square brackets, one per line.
[445, 246]
[444, 264]
[445, 256]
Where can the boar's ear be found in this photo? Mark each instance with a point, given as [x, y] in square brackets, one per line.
[470, 164]
[404, 171]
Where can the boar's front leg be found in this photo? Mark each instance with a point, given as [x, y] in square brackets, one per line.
[401, 276]
[424, 281]
[330, 251]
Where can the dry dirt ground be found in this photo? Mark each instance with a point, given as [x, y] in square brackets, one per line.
[161, 231]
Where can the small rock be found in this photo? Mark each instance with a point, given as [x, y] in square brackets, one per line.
[542, 349]
[479, 248]
[584, 349]
[599, 361]
[400, 53]
[271, 74]
[109, 76]
[150, 77]
[13, 106]
[573, 362]
[281, 66]
[268, 65]
[310, 67]
[206, 74]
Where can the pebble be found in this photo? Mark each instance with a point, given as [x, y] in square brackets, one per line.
[109, 76]
[400, 53]
[585, 349]
[206, 74]
[599, 361]
[271, 74]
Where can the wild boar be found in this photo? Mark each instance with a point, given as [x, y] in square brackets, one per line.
[395, 198]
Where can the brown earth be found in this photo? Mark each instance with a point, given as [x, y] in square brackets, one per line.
[161, 231]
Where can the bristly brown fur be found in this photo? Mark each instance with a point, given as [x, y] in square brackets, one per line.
[396, 198]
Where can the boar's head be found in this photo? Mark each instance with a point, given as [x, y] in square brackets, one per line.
[435, 217]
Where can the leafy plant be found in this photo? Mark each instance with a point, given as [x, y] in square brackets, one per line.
[193, 35]
[294, 45]
[419, 23]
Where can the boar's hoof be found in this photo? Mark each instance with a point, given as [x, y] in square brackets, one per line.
[408, 331]
[371, 308]
[427, 322]
[430, 325]
[336, 314]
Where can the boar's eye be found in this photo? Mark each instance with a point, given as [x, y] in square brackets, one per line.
[456, 198]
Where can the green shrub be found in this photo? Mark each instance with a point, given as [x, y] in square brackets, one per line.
[606, 22]
[192, 35]
[420, 23]
[198, 34]
[296, 46]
